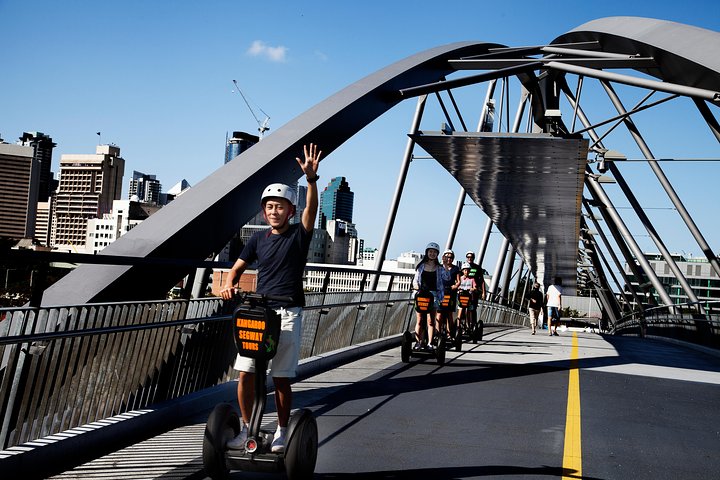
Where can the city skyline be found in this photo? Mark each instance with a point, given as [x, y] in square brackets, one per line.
[170, 99]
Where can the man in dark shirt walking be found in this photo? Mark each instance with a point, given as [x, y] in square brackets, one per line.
[535, 305]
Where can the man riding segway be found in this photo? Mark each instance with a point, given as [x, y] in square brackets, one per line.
[281, 254]
[476, 273]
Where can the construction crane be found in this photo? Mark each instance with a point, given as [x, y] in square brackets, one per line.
[262, 126]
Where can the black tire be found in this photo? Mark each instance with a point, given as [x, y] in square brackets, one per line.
[223, 424]
[406, 347]
[302, 447]
[440, 351]
[480, 327]
[458, 342]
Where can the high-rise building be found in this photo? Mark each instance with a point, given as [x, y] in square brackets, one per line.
[125, 215]
[42, 146]
[43, 221]
[238, 143]
[698, 272]
[19, 180]
[146, 187]
[174, 192]
[336, 202]
[342, 243]
[88, 185]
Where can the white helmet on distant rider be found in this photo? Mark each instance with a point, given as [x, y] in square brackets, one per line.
[432, 246]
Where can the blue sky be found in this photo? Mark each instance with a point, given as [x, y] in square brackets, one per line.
[156, 79]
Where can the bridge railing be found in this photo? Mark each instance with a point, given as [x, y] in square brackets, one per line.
[687, 325]
[66, 366]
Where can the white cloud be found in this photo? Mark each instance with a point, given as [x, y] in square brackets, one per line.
[321, 56]
[261, 49]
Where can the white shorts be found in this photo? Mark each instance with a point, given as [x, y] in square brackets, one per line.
[285, 362]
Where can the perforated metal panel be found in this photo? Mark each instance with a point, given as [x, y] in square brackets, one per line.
[530, 185]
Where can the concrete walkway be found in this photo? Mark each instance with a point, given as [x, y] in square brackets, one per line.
[498, 409]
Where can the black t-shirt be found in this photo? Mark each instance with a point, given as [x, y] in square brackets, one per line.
[538, 297]
[475, 272]
[281, 260]
[449, 277]
[428, 280]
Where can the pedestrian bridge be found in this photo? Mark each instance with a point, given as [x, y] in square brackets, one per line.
[97, 369]
[124, 390]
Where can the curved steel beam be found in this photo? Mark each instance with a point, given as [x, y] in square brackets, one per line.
[202, 220]
[684, 54]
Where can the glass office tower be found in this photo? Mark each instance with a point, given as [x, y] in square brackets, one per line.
[336, 202]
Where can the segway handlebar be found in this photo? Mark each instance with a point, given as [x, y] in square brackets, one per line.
[261, 298]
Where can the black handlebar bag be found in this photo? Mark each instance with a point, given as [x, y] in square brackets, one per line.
[464, 298]
[424, 302]
[447, 304]
[257, 331]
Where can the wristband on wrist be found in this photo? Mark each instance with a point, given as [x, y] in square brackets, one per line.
[312, 180]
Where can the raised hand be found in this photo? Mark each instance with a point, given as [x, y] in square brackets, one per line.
[310, 165]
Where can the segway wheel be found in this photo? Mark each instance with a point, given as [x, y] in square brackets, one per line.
[223, 424]
[458, 342]
[440, 351]
[480, 330]
[406, 347]
[302, 446]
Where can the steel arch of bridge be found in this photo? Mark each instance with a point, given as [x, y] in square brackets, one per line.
[683, 58]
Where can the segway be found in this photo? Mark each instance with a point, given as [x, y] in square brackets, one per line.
[424, 302]
[447, 307]
[468, 329]
[257, 331]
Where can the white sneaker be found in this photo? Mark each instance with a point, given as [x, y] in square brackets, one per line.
[278, 442]
[238, 443]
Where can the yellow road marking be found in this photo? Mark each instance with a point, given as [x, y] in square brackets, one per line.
[572, 454]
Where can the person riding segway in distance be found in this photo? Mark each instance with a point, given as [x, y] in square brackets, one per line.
[281, 253]
[451, 280]
[476, 273]
[428, 280]
[466, 290]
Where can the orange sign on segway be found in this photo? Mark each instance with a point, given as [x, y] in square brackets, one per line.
[257, 331]
[424, 302]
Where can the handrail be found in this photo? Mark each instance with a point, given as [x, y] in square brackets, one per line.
[695, 328]
[658, 308]
[8, 340]
[61, 367]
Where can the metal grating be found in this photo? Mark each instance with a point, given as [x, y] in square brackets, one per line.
[530, 185]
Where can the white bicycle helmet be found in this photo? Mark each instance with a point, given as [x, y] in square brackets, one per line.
[469, 252]
[448, 252]
[278, 190]
[432, 245]
[464, 266]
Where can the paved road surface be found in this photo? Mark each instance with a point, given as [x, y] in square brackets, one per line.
[500, 409]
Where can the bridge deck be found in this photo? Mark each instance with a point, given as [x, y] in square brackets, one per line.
[648, 410]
